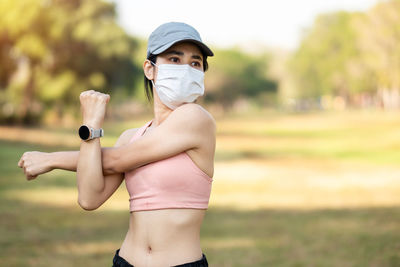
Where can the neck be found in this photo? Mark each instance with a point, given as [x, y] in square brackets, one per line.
[161, 111]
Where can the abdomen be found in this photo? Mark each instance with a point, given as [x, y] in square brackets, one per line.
[163, 237]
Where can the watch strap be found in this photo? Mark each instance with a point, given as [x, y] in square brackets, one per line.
[97, 133]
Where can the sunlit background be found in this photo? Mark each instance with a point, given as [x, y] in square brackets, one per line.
[306, 96]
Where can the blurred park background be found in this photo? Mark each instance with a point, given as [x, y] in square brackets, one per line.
[307, 163]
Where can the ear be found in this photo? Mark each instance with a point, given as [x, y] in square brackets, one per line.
[148, 69]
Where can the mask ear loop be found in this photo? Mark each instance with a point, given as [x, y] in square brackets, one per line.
[155, 65]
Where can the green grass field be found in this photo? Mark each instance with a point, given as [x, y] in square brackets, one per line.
[289, 190]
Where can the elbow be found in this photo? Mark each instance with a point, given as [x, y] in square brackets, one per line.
[108, 170]
[111, 163]
[88, 196]
[118, 167]
[87, 204]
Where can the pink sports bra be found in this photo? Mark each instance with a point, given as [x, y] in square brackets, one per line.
[175, 182]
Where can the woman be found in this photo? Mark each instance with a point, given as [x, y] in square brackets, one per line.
[167, 164]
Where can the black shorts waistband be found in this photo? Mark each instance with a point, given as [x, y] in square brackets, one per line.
[118, 261]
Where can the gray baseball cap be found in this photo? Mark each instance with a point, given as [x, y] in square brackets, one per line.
[171, 33]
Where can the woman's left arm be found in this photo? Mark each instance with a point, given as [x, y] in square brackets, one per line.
[89, 167]
[187, 127]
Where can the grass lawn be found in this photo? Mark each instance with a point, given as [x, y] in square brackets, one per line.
[289, 190]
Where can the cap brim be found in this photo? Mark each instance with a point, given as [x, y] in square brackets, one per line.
[205, 49]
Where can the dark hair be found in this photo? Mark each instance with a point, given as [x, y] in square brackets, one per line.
[148, 86]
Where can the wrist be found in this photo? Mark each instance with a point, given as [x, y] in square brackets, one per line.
[87, 133]
[52, 160]
[95, 124]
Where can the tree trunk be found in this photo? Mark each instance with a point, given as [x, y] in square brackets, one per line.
[27, 99]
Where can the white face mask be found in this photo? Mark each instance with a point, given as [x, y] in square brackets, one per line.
[178, 84]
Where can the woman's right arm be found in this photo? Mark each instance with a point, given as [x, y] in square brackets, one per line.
[35, 163]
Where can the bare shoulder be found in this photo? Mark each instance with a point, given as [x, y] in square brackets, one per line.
[125, 137]
[195, 115]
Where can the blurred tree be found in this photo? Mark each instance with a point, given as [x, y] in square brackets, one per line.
[380, 45]
[234, 75]
[51, 50]
[352, 55]
[322, 64]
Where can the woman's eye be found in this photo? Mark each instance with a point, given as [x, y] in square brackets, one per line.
[174, 59]
[196, 64]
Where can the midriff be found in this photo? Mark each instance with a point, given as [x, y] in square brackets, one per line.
[165, 237]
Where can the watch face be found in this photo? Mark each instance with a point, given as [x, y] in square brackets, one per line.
[84, 132]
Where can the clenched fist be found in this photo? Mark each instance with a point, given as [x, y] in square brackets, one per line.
[93, 105]
[35, 163]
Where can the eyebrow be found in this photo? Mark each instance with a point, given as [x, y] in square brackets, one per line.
[180, 53]
[174, 52]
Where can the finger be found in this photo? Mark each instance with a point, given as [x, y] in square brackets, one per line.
[20, 162]
[31, 177]
[104, 98]
[27, 169]
[98, 94]
[82, 95]
[85, 93]
[22, 159]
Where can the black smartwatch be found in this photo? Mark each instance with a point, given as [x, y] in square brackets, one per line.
[87, 133]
